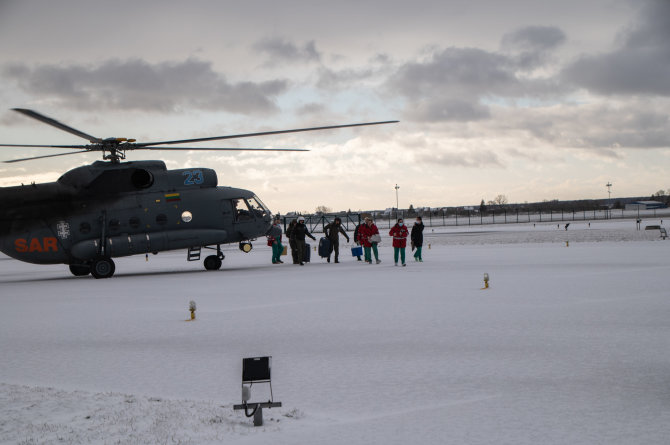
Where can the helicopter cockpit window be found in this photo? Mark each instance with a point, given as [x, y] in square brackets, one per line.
[257, 208]
[241, 210]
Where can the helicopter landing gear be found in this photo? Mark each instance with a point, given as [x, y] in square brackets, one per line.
[213, 262]
[80, 270]
[102, 267]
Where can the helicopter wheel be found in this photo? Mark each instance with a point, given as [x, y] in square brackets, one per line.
[80, 270]
[212, 262]
[102, 267]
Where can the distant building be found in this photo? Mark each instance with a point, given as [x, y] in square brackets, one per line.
[645, 205]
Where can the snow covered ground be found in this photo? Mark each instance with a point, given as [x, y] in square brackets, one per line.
[568, 345]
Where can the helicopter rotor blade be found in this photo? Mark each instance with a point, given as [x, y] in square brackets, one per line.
[262, 133]
[220, 149]
[55, 123]
[43, 146]
[45, 156]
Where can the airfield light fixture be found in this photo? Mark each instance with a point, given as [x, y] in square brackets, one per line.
[486, 280]
[191, 308]
[397, 208]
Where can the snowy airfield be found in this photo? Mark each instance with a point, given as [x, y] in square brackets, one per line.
[568, 345]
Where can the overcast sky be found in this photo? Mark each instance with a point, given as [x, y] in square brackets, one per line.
[532, 99]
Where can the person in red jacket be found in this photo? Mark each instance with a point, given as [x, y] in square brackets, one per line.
[364, 234]
[399, 233]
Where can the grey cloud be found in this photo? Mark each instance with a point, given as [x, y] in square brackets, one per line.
[461, 84]
[459, 159]
[531, 46]
[640, 125]
[534, 38]
[451, 84]
[446, 110]
[455, 70]
[137, 84]
[653, 29]
[381, 58]
[379, 66]
[640, 66]
[311, 109]
[330, 79]
[282, 50]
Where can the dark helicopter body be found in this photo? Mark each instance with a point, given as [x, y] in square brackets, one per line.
[115, 210]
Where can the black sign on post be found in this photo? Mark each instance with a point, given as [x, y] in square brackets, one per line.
[256, 369]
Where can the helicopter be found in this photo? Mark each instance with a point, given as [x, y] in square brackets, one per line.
[110, 209]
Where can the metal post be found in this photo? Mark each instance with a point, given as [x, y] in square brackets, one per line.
[258, 416]
[609, 198]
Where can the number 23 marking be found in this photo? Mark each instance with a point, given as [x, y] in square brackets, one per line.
[193, 177]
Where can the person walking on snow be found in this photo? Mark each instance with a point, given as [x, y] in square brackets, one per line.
[399, 233]
[291, 240]
[299, 232]
[365, 233]
[333, 231]
[274, 234]
[417, 238]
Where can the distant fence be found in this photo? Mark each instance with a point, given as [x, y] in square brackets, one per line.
[440, 218]
[518, 216]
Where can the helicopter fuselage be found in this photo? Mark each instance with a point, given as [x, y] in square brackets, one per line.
[120, 209]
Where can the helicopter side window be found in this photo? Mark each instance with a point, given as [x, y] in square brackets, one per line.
[241, 210]
[257, 208]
